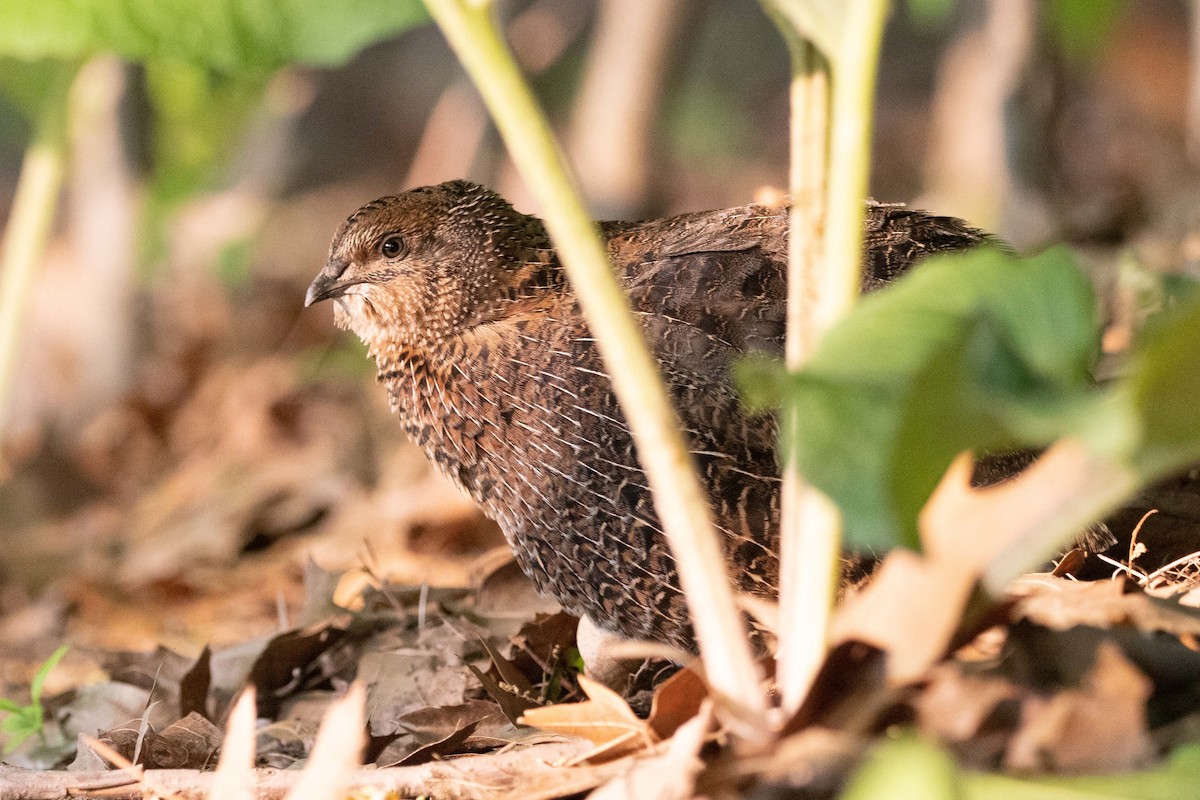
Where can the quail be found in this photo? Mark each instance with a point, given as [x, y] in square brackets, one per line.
[479, 340]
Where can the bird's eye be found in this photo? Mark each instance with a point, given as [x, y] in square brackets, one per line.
[391, 247]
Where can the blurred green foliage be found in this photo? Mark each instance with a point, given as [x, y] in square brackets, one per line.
[929, 13]
[24, 721]
[978, 352]
[226, 35]
[907, 766]
[206, 67]
[1081, 27]
[1078, 27]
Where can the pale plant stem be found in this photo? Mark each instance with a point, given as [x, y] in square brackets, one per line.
[854, 72]
[830, 152]
[27, 232]
[810, 536]
[679, 499]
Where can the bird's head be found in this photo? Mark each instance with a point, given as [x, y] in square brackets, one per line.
[413, 269]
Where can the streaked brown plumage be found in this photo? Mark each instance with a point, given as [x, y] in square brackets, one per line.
[489, 365]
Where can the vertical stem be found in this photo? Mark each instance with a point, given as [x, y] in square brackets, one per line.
[810, 536]
[825, 242]
[679, 499]
[854, 71]
[28, 229]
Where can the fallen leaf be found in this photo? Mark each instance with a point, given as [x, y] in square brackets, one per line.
[1061, 604]
[449, 745]
[513, 705]
[604, 719]
[910, 610]
[190, 743]
[677, 700]
[504, 591]
[669, 775]
[431, 724]
[399, 683]
[1100, 726]
[194, 685]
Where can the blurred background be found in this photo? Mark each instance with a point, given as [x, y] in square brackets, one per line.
[179, 437]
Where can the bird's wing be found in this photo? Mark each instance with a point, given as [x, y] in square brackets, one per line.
[897, 237]
[711, 288]
[719, 273]
[724, 271]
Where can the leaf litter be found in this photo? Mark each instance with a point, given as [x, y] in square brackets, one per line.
[1058, 677]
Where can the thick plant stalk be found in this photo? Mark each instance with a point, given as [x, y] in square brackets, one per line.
[854, 72]
[681, 503]
[27, 231]
[825, 244]
[811, 528]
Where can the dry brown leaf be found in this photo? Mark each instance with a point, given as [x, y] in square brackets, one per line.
[504, 591]
[1100, 726]
[955, 703]
[1060, 604]
[513, 705]
[604, 719]
[670, 774]
[910, 610]
[676, 701]
[1007, 521]
[451, 744]
[915, 603]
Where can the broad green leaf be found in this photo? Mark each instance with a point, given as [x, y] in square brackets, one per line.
[32, 86]
[978, 351]
[20, 725]
[1178, 779]
[905, 768]
[229, 35]
[1162, 388]
[910, 767]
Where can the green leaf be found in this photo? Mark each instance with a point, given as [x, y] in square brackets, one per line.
[20, 725]
[229, 35]
[905, 768]
[35, 688]
[25, 721]
[1179, 778]
[1162, 390]
[930, 13]
[978, 351]
[32, 85]
[1082, 27]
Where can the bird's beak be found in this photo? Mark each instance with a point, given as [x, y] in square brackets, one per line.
[328, 282]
